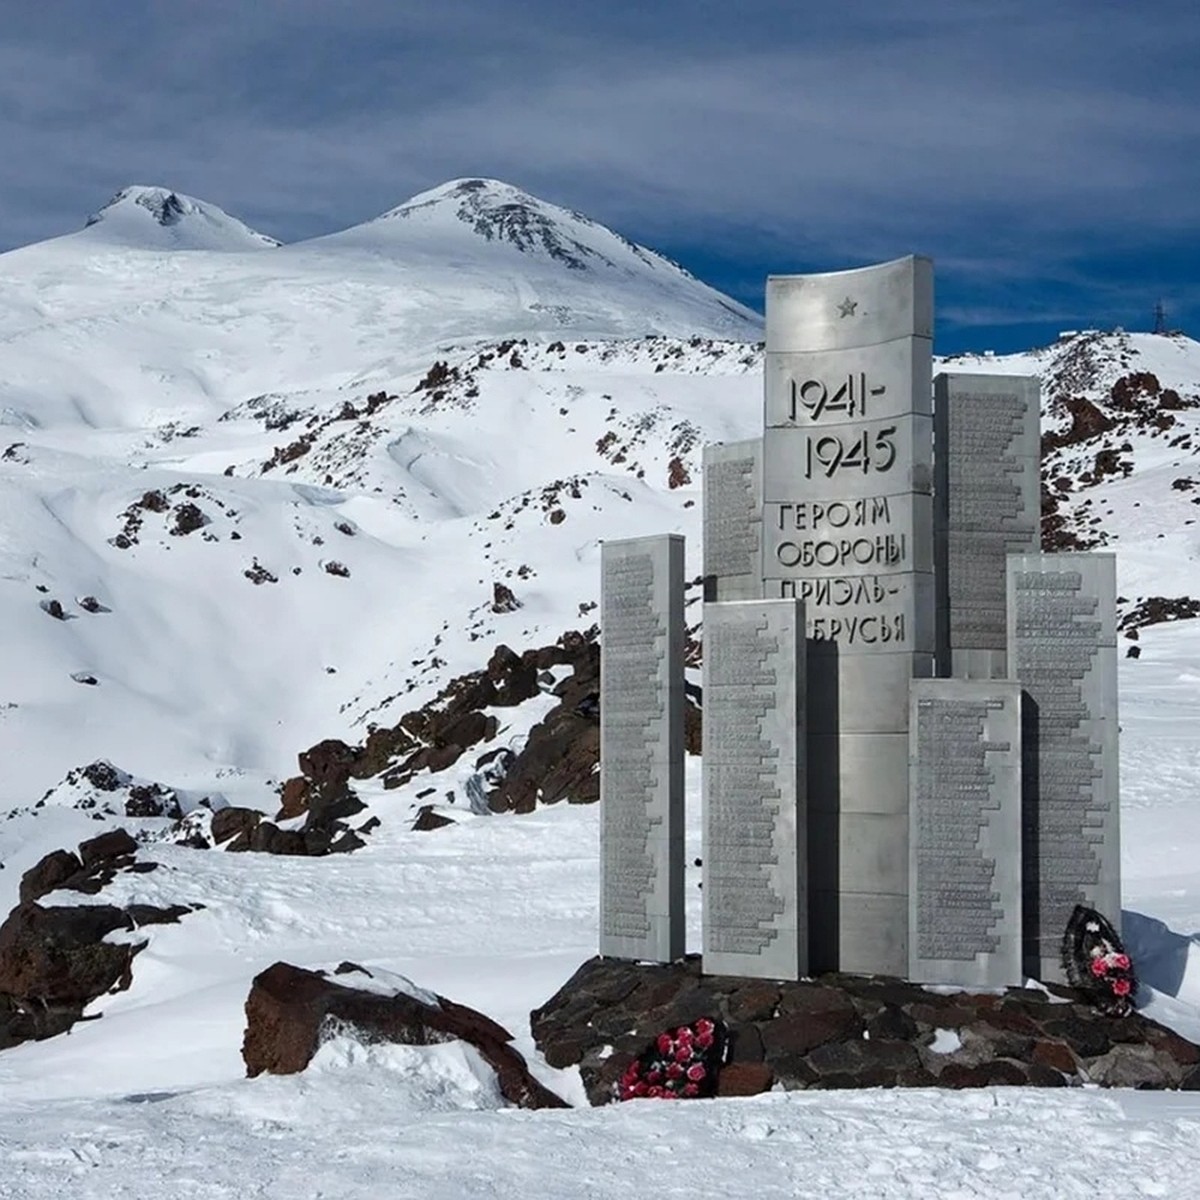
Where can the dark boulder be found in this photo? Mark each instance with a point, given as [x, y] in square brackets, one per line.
[58, 955]
[289, 1011]
[428, 819]
[503, 599]
[230, 822]
[328, 762]
[103, 776]
[268, 838]
[514, 676]
[48, 874]
[54, 960]
[107, 846]
[152, 800]
[321, 793]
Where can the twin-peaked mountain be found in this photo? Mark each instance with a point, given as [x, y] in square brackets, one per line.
[253, 496]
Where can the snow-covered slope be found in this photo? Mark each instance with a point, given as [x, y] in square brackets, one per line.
[115, 327]
[251, 500]
[510, 469]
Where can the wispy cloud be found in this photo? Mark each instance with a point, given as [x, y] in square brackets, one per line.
[1004, 136]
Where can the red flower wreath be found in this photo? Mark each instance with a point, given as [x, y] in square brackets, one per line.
[680, 1063]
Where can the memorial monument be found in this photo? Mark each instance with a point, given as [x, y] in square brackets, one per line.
[847, 528]
[909, 714]
[641, 748]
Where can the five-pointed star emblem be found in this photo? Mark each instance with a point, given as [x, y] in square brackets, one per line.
[847, 307]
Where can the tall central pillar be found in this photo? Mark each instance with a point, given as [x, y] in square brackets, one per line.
[848, 529]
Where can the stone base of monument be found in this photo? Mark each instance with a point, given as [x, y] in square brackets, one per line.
[840, 1031]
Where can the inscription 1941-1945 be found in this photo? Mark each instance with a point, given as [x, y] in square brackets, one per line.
[847, 471]
[847, 529]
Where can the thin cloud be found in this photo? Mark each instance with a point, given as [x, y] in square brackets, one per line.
[1003, 137]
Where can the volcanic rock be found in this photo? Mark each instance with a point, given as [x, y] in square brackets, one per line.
[290, 1011]
[855, 1031]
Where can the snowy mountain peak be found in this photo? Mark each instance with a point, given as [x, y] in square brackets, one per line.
[156, 218]
[511, 264]
[500, 212]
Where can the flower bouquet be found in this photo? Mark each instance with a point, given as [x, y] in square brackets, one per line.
[680, 1063]
[1096, 962]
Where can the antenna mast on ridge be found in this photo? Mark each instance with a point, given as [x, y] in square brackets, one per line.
[1160, 318]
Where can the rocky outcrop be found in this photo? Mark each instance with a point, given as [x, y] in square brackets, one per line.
[238, 829]
[1154, 610]
[97, 862]
[105, 790]
[853, 1031]
[290, 1011]
[1088, 439]
[560, 758]
[558, 761]
[54, 960]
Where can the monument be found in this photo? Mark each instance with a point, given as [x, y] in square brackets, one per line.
[732, 501]
[1063, 650]
[987, 505]
[965, 833]
[755, 896]
[848, 529]
[909, 714]
[641, 748]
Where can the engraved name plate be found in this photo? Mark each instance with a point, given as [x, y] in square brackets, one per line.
[641, 749]
[987, 505]
[965, 833]
[733, 521]
[755, 905]
[1062, 645]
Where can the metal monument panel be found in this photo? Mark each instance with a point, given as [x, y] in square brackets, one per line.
[732, 479]
[987, 505]
[848, 527]
[755, 895]
[1063, 651]
[641, 748]
[965, 833]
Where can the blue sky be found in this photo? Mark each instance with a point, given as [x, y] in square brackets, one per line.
[1046, 153]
